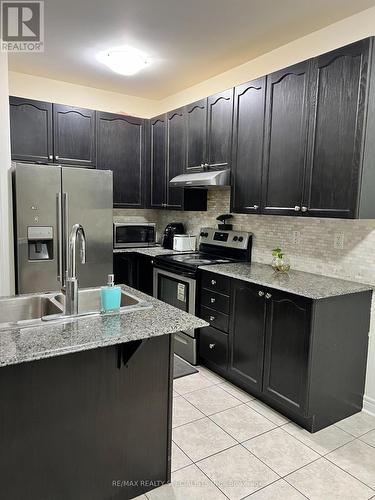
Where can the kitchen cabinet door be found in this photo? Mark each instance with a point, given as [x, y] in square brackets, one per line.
[158, 176]
[121, 148]
[246, 335]
[287, 346]
[74, 135]
[31, 130]
[339, 81]
[145, 274]
[247, 153]
[285, 140]
[125, 268]
[219, 130]
[196, 135]
[176, 134]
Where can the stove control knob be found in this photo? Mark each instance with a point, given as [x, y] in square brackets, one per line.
[235, 238]
[203, 234]
[240, 238]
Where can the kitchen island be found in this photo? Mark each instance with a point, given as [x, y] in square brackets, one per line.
[85, 408]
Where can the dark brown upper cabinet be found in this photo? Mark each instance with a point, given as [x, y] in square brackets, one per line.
[247, 150]
[209, 132]
[31, 130]
[339, 85]
[176, 138]
[287, 106]
[74, 135]
[219, 130]
[158, 174]
[167, 160]
[121, 148]
[196, 135]
[45, 132]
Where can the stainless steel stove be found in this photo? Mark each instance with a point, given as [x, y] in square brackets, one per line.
[175, 276]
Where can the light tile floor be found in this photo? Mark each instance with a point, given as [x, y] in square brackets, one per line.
[228, 445]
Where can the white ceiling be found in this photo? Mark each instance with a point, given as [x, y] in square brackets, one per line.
[189, 40]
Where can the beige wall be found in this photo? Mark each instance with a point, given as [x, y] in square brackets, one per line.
[45, 89]
[6, 233]
[333, 36]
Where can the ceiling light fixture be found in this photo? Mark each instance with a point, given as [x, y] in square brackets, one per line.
[124, 60]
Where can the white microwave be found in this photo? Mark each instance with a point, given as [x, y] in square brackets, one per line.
[134, 234]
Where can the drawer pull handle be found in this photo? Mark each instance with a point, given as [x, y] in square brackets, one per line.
[268, 295]
[213, 282]
[211, 346]
[213, 300]
[212, 318]
[260, 293]
[297, 208]
[304, 209]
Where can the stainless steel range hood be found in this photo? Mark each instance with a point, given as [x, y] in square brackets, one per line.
[219, 178]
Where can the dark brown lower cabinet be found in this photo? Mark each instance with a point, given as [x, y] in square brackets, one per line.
[247, 335]
[306, 358]
[287, 347]
[134, 269]
[94, 425]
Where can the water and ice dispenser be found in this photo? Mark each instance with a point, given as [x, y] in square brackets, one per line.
[40, 242]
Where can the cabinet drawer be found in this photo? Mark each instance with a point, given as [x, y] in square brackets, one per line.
[215, 318]
[215, 301]
[216, 282]
[213, 346]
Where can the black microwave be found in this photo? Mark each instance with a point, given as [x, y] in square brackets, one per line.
[134, 234]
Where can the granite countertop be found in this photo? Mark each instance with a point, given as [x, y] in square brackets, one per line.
[312, 286]
[151, 251]
[18, 345]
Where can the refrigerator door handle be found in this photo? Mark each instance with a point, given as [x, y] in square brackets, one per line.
[66, 230]
[60, 276]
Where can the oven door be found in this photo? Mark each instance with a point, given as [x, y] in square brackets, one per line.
[174, 289]
[178, 291]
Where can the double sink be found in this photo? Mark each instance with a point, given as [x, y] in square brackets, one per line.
[33, 310]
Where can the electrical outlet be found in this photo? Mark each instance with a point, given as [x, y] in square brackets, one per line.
[338, 242]
[296, 238]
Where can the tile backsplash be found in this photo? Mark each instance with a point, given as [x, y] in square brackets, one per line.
[333, 247]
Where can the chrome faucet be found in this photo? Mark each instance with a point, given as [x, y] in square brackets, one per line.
[71, 282]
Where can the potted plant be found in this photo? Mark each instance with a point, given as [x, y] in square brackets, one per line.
[280, 263]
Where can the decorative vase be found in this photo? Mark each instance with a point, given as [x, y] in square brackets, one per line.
[280, 264]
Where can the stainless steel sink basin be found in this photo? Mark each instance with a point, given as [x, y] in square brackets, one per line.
[27, 309]
[89, 300]
[33, 310]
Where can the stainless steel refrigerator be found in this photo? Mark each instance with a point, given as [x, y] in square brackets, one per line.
[48, 200]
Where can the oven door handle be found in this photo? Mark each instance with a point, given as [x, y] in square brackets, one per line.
[177, 274]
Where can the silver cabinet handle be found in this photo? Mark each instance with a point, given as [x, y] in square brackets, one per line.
[213, 300]
[260, 293]
[256, 207]
[268, 295]
[212, 318]
[213, 282]
[252, 207]
[297, 208]
[304, 209]
[56, 157]
[50, 157]
[211, 346]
